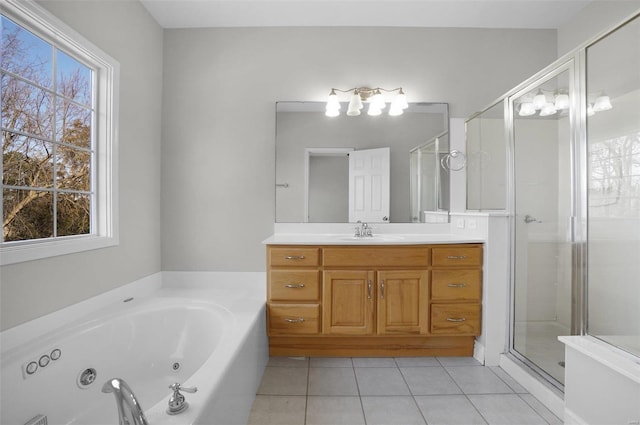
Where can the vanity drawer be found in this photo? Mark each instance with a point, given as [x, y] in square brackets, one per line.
[455, 319]
[294, 319]
[294, 285]
[456, 285]
[377, 256]
[457, 256]
[294, 256]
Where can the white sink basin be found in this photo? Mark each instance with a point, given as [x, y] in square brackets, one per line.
[376, 238]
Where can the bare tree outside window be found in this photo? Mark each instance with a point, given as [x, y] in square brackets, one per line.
[47, 142]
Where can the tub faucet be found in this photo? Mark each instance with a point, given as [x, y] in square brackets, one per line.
[177, 403]
[129, 410]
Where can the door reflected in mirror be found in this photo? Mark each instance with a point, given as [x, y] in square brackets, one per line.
[314, 183]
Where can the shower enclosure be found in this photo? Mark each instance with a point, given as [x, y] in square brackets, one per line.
[545, 206]
[571, 167]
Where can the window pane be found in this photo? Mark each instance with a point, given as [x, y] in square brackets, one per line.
[73, 214]
[26, 161]
[73, 79]
[26, 108]
[73, 124]
[27, 214]
[73, 169]
[25, 54]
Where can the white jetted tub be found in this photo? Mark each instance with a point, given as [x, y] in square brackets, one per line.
[204, 330]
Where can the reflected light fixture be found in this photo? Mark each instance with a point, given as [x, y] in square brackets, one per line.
[539, 100]
[561, 101]
[373, 96]
[602, 103]
[527, 109]
[531, 104]
[548, 109]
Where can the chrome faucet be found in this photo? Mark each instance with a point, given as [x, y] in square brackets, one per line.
[363, 230]
[129, 410]
[177, 403]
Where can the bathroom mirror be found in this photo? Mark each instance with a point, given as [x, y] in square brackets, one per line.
[312, 160]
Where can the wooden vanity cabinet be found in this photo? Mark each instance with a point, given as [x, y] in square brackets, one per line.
[373, 300]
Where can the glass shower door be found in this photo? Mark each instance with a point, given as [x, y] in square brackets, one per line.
[542, 225]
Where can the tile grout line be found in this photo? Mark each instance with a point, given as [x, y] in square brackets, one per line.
[464, 393]
[353, 366]
[413, 397]
[306, 398]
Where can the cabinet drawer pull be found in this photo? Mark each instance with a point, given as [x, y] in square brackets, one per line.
[369, 289]
[456, 257]
[382, 289]
[294, 285]
[294, 257]
[457, 285]
[298, 320]
[456, 319]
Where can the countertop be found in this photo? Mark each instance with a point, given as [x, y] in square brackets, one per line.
[377, 239]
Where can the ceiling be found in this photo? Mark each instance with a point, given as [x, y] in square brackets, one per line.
[538, 14]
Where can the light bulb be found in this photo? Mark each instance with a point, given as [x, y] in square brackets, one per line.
[332, 112]
[526, 109]
[539, 100]
[377, 100]
[373, 110]
[603, 103]
[332, 101]
[562, 101]
[395, 110]
[400, 101]
[355, 105]
[547, 110]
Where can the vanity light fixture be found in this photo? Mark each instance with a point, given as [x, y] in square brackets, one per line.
[372, 96]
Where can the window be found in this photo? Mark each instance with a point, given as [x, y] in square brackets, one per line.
[58, 138]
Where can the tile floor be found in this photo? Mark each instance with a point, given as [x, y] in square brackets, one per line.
[393, 391]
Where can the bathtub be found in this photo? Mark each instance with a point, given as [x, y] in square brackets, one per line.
[204, 330]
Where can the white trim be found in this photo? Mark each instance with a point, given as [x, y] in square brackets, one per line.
[547, 395]
[570, 418]
[105, 231]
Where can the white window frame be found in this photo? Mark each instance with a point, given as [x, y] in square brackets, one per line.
[104, 231]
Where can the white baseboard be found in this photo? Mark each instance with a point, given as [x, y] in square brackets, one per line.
[478, 352]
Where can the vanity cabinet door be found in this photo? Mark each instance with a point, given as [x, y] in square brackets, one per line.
[347, 302]
[403, 302]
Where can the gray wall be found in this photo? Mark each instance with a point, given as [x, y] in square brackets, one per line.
[220, 89]
[127, 32]
[595, 18]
